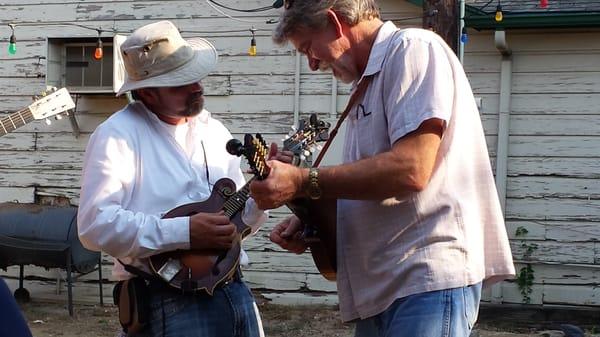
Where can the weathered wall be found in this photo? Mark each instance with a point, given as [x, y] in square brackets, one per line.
[553, 180]
[553, 185]
[249, 94]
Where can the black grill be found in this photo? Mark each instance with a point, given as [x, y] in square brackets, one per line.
[44, 236]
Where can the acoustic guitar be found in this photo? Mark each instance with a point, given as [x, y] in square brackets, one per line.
[203, 270]
[52, 102]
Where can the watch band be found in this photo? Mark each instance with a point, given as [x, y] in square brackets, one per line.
[314, 190]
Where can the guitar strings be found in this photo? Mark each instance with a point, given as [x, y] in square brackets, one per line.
[8, 122]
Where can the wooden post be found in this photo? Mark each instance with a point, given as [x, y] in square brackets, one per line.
[442, 17]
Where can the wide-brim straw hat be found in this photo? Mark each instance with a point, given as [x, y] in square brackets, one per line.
[156, 55]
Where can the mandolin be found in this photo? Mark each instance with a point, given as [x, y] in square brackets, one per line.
[203, 270]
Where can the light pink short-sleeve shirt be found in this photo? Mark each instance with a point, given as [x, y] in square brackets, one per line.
[452, 233]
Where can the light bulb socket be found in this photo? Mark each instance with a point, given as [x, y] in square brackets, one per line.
[253, 42]
[13, 39]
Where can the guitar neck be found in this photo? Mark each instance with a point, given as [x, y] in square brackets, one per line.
[237, 201]
[15, 120]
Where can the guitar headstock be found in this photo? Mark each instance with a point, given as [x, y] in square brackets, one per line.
[51, 102]
[303, 142]
[255, 149]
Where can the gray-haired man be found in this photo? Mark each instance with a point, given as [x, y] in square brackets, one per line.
[419, 225]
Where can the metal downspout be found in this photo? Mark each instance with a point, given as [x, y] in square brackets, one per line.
[503, 115]
[503, 131]
[461, 25]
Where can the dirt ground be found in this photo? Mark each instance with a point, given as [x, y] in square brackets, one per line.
[52, 319]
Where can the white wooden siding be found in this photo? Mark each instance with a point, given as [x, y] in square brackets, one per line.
[249, 94]
[554, 166]
[553, 185]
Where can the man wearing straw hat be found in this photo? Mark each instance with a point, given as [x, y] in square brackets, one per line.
[161, 151]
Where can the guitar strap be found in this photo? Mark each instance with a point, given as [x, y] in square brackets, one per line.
[356, 95]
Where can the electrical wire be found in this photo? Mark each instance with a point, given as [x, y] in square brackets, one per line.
[487, 4]
[260, 9]
[209, 2]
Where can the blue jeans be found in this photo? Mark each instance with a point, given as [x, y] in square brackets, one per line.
[443, 313]
[230, 312]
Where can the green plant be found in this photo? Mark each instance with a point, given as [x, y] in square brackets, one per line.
[525, 282]
[526, 274]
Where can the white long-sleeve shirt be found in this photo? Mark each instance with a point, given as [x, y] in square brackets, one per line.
[137, 168]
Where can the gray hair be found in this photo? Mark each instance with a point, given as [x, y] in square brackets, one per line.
[312, 14]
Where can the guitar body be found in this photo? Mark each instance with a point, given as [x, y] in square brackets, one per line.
[194, 270]
[320, 218]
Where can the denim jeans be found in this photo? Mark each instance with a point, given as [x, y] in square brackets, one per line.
[443, 313]
[230, 312]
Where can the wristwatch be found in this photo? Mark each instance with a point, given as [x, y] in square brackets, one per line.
[314, 191]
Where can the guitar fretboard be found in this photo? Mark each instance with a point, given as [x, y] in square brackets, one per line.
[237, 201]
[15, 120]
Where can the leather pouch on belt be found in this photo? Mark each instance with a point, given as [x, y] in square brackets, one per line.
[131, 296]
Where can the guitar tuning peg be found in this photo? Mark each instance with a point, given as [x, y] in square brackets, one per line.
[43, 93]
[306, 153]
[58, 117]
[48, 122]
[66, 113]
[302, 157]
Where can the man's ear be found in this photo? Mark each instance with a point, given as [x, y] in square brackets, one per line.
[335, 21]
[146, 95]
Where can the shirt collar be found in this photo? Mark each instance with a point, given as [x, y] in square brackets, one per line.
[379, 49]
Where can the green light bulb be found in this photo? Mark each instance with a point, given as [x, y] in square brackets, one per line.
[12, 46]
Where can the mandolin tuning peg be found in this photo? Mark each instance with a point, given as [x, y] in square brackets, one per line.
[319, 147]
[306, 153]
[48, 122]
[58, 117]
[293, 127]
[302, 157]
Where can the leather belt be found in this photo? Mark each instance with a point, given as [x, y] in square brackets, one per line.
[159, 285]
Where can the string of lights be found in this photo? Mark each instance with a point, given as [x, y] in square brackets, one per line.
[99, 52]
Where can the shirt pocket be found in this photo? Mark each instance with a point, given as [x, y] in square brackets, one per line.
[371, 132]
